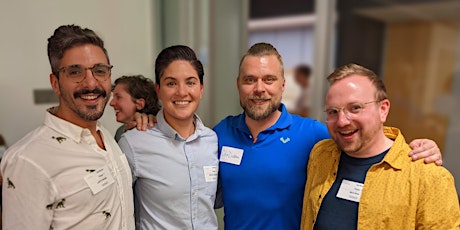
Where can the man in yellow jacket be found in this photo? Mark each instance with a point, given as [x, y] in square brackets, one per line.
[363, 179]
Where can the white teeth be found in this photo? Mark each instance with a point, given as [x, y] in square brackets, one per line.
[347, 132]
[181, 102]
[87, 97]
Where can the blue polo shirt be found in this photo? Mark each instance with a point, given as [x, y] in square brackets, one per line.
[265, 191]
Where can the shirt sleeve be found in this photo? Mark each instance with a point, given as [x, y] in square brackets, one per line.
[129, 152]
[29, 196]
[438, 207]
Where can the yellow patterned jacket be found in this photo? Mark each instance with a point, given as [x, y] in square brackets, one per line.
[397, 193]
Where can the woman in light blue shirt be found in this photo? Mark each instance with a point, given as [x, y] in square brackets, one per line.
[175, 164]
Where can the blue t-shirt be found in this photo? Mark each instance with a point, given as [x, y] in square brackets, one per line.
[338, 213]
[265, 191]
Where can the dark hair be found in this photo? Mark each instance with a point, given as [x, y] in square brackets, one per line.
[175, 53]
[355, 69]
[139, 87]
[264, 49]
[69, 36]
[303, 70]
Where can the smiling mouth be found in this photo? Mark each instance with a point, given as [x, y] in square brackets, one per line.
[348, 132]
[90, 94]
[89, 97]
[181, 102]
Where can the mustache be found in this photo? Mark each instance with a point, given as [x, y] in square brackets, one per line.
[255, 97]
[87, 91]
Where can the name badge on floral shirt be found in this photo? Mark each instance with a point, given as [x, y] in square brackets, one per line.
[99, 179]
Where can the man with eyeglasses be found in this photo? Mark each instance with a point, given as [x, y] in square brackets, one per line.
[363, 179]
[70, 173]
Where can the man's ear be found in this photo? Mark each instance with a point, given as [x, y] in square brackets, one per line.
[54, 81]
[384, 109]
[140, 103]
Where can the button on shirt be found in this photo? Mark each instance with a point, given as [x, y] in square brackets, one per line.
[44, 185]
[175, 178]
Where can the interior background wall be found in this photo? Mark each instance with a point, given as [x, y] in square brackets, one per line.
[126, 27]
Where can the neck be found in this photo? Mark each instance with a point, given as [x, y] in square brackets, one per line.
[185, 128]
[73, 118]
[257, 126]
[76, 120]
[374, 147]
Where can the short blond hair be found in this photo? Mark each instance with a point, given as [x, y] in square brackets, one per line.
[355, 69]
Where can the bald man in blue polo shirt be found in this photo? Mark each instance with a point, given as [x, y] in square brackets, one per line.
[264, 151]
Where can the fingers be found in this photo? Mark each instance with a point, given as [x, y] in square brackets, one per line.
[142, 124]
[429, 156]
[416, 143]
[151, 120]
[438, 162]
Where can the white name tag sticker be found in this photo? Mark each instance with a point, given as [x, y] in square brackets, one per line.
[210, 173]
[99, 179]
[350, 190]
[231, 155]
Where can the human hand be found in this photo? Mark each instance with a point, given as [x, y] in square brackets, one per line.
[141, 121]
[426, 149]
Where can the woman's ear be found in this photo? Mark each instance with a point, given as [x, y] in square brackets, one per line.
[140, 103]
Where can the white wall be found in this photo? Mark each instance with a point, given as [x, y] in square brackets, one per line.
[126, 27]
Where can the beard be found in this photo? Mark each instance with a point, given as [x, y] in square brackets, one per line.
[260, 112]
[86, 112]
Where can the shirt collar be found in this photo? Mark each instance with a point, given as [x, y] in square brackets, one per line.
[393, 157]
[167, 130]
[66, 128]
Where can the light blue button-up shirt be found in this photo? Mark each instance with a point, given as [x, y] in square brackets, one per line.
[175, 179]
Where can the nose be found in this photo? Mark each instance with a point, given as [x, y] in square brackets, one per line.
[112, 102]
[181, 89]
[343, 118]
[259, 86]
[89, 79]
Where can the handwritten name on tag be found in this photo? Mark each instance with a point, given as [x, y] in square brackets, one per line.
[350, 190]
[99, 179]
[231, 155]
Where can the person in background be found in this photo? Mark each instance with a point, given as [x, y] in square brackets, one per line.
[69, 173]
[175, 164]
[264, 151]
[133, 94]
[362, 178]
[302, 78]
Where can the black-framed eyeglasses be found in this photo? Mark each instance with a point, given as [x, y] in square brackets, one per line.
[351, 111]
[77, 73]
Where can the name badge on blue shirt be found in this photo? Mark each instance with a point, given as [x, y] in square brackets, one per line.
[231, 155]
[350, 190]
[210, 173]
